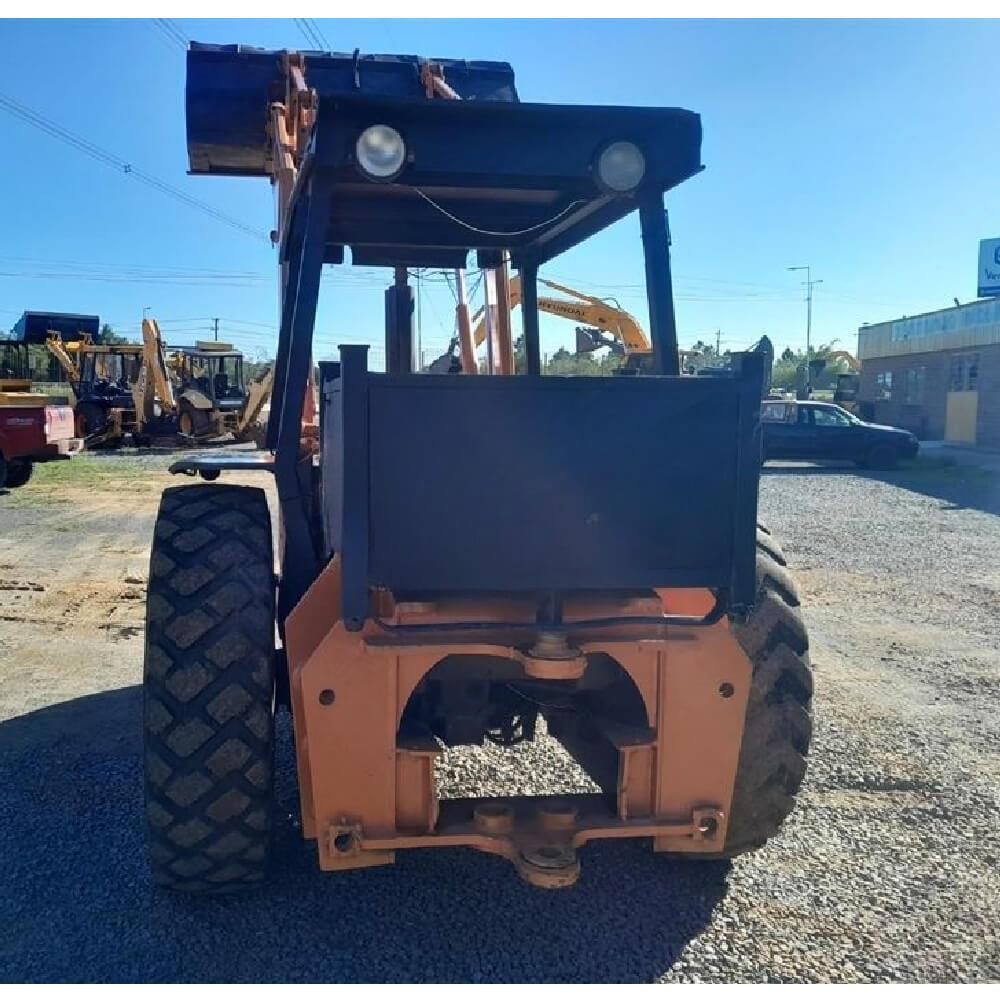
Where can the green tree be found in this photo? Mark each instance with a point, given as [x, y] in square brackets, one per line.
[789, 368]
[108, 336]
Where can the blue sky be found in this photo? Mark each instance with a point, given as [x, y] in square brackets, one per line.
[868, 150]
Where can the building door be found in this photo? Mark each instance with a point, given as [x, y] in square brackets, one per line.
[960, 416]
[962, 407]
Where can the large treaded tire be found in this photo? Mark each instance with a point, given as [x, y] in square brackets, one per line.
[208, 689]
[778, 725]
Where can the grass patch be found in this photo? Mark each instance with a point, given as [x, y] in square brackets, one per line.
[89, 469]
[92, 472]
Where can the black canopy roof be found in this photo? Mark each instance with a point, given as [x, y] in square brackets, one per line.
[487, 172]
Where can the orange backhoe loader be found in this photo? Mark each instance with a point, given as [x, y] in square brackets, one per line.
[465, 554]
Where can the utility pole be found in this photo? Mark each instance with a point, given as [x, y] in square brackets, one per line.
[467, 347]
[215, 323]
[420, 329]
[809, 312]
[489, 296]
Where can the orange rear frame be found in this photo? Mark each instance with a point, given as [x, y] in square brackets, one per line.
[365, 794]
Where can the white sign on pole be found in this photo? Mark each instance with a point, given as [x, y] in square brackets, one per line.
[989, 268]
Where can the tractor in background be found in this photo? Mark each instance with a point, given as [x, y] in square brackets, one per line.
[101, 375]
[213, 396]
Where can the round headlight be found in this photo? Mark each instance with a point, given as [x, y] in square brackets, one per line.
[621, 166]
[380, 152]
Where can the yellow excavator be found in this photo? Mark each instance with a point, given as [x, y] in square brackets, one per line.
[607, 325]
[198, 391]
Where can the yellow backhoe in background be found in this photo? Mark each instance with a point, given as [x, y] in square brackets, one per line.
[199, 390]
[147, 390]
[101, 377]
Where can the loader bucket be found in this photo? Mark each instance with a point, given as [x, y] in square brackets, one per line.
[230, 86]
[34, 327]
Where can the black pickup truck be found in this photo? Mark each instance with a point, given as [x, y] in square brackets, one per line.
[810, 430]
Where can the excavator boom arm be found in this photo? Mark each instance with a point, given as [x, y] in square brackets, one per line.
[258, 393]
[63, 353]
[852, 362]
[587, 309]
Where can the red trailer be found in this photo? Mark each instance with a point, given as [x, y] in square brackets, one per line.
[32, 433]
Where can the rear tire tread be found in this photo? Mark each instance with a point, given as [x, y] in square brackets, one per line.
[208, 689]
[778, 726]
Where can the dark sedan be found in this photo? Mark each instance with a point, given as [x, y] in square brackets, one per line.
[809, 430]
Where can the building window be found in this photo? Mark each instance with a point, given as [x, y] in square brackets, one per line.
[913, 389]
[883, 383]
[964, 374]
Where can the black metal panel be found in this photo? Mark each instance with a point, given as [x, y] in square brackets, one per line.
[352, 491]
[536, 484]
[400, 326]
[748, 371]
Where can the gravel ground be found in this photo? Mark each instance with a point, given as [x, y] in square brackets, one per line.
[887, 871]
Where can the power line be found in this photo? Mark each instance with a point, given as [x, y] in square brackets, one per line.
[167, 41]
[171, 31]
[95, 152]
[386, 27]
[319, 32]
[32, 267]
[313, 33]
[250, 322]
[303, 27]
[177, 30]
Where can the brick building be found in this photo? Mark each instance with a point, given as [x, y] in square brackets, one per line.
[937, 374]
